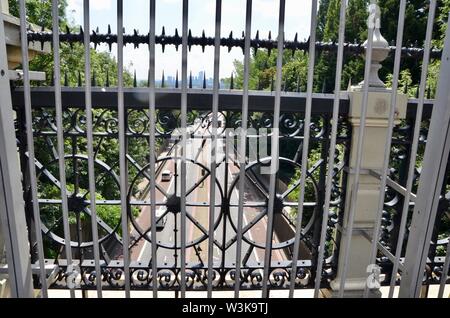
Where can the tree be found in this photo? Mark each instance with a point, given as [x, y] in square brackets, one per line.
[72, 65]
[71, 56]
[40, 12]
[355, 31]
[322, 19]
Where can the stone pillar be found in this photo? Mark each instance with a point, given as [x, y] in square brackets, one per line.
[374, 146]
[5, 6]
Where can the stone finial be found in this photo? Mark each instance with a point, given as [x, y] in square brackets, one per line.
[380, 47]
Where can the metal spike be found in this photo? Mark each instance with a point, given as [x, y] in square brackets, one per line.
[204, 79]
[189, 39]
[190, 79]
[109, 29]
[94, 80]
[232, 81]
[417, 92]
[255, 49]
[135, 35]
[176, 80]
[295, 44]
[134, 79]
[272, 84]
[97, 30]
[230, 37]
[79, 79]
[107, 78]
[324, 84]
[259, 84]
[94, 34]
[429, 92]
[203, 44]
[68, 32]
[405, 89]
[162, 80]
[269, 50]
[163, 35]
[52, 78]
[177, 37]
[243, 34]
[66, 80]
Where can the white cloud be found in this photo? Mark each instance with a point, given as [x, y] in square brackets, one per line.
[75, 5]
[96, 5]
[101, 4]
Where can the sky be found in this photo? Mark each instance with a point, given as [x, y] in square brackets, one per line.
[201, 17]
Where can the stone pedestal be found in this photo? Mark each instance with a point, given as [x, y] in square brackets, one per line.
[376, 129]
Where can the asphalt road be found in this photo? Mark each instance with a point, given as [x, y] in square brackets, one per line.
[198, 202]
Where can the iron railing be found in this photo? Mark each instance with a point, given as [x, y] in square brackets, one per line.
[218, 224]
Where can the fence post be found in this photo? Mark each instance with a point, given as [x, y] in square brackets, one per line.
[13, 225]
[430, 183]
[373, 153]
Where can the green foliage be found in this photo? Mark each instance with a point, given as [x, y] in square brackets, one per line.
[71, 56]
[262, 73]
[72, 65]
[40, 12]
[322, 18]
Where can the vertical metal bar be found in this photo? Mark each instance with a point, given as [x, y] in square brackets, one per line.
[90, 145]
[243, 146]
[60, 135]
[122, 149]
[12, 215]
[354, 194]
[30, 144]
[215, 110]
[152, 118]
[305, 149]
[274, 151]
[414, 147]
[430, 184]
[334, 127]
[183, 143]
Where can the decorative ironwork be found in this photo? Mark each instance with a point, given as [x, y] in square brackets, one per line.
[108, 199]
[203, 41]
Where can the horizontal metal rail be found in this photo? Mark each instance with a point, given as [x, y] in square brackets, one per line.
[230, 42]
[199, 99]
